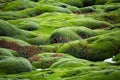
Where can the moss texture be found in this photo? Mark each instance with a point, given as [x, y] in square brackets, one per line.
[95, 48]
[12, 65]
[18, 5]
[71, 34]
[45, 60]
[60, 38]
[7, 29]
[8, 52]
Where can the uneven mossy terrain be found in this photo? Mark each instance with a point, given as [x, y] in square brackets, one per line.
[59, 39]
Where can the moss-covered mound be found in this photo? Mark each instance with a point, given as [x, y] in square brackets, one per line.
[113, 1]
[23, 48]
[45, 60]
[27, 25]
[99, 75]
[94, 48]
[60, 38]
[108, 12]
[87, 9]
[12, 65]
[12, 79]
[71, 34]
[8, 52]
[90, 23]
[64, 35]
[30, 12]
[7, 29]
[73, 69]
[11, 40]
[113, 16]
[77, 3]
[18, 5]
[51, 21]
[71, 62]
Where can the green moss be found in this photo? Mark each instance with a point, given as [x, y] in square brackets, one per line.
[9, 39]
[117, 57]
[74, 9]
[12, 79]
[45, 8]
[47, 48]
[87, 9]
[76, 48]
[116, 26]
[105, 47]
[113, 1]
[18, 5]
[70, 34]
[7, 29]
[45, 60]
[30, 12]
[70, 63]
[63, 35]
[77, 3]
[90, 23]
[88, 2]
[95, 48]
[99, 75]
[100, 1]
[30, 26]
[113, 16]
[81, 69]
[48, 22]
[42, 22]
[8, 52]
[11, 65]
[111, 7]
[39, 40]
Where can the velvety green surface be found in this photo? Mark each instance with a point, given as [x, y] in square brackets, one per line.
[59, 39]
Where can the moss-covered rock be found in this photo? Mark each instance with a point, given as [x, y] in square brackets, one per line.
[48, 22]
[112, 7]
[18, 5]
[7, 29]
[5, 40]
[45, 60]
[90, 23]
[100, 1]
[70, 62]
[12, 79]
[99, 75]
[71, 34]
[63, 35]
[59, 21]
[31, 12]
[23, 48]
[12, 65]
[30, 26]
[95, 48]
[113, 1]
[77, 3]
[87, 9]
[8, 52]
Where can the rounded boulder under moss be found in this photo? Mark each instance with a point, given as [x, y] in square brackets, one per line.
[13, 65]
